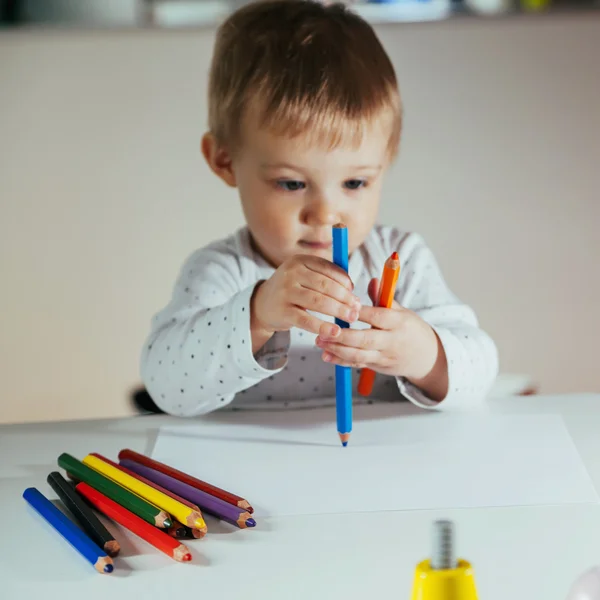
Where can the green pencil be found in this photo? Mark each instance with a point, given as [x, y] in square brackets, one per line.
[147, 511]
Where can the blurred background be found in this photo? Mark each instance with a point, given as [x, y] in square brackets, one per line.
[103, 192]
[186, 13]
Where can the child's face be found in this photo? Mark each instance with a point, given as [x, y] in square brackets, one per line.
[292, 194]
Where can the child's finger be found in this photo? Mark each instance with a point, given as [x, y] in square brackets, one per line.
[382, 318]
[326, 305]
[327, 268]
[336, 360]
[304, 320]
[397, 306]
[323, 284]
[367, 339]
[373, 290]
[350, 357]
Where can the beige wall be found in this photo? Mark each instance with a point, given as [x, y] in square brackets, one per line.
[103, 194]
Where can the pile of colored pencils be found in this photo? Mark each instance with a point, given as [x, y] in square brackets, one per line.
[156, 502]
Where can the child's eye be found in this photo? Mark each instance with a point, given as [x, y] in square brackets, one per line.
[354, 184]
[291, 186]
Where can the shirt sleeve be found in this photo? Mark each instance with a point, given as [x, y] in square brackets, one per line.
[199, 351]
[470, 352]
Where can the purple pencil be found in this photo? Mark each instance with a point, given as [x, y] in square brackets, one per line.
[209, 504]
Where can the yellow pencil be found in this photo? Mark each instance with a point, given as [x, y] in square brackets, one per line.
[184, 514]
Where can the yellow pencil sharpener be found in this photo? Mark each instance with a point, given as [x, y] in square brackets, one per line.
[444, 584]
[443, 577]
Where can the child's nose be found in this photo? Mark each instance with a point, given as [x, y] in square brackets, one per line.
[320, 213]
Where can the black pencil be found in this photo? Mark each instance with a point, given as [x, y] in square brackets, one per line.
[177, 530]
[83, 513]
[183, 532]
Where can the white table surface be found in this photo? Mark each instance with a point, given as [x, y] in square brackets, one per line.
[519, 553]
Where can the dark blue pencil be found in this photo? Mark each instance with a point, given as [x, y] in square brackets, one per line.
[343, 375]
[79, 540]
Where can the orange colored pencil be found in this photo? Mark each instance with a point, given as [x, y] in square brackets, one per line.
[385, 298]
[159, 539]
[203, 530]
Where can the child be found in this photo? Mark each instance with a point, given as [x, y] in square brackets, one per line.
[305, 118]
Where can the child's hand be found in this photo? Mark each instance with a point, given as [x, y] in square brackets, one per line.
[300, 284]
[400, 344]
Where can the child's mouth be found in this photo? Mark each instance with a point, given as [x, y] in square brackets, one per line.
[315, 245]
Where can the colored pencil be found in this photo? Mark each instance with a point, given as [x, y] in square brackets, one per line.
[71, 532]
[387, 290]
[83, 514]
[184, 514]
[343, 375]
[177, 530]
[158, 538]
[209, 504]
[147, 481]
[155, 486]
[197, 483]
[183, 532]
[147, 511]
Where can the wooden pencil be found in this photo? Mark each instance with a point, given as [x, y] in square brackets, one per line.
[385, 299]
[158, 538]
[203, 530]
[197, 483]
[146, 481]
[177, 530]
[184, 514]
[183, 532]
[83, 514]
[69, 531]
[209, 504]
[343, 375]
[147, 511]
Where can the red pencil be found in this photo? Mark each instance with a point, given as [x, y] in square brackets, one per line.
[197, 483]
[127, 519]
[154, 485]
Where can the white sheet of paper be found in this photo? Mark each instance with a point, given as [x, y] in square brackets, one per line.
[406, 463]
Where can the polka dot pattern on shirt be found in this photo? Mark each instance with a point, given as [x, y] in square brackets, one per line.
[213, 362]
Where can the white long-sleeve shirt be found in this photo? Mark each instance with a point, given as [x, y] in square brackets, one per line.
[198, 357]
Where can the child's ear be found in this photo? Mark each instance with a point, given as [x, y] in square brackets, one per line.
[218, 159]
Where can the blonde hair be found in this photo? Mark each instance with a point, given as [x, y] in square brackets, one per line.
[302, 68]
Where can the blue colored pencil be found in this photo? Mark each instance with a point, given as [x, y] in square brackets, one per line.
[343, 375]
[79, 540]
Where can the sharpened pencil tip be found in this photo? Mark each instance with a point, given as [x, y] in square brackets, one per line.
[112, 548]
[250, 523]
[108, 568]
[344, 444]
[167, 523]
